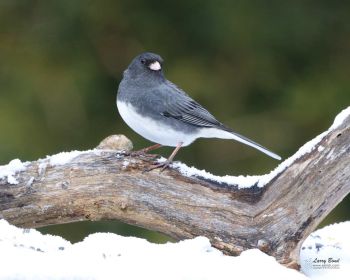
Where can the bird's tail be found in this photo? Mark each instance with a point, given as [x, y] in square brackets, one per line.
[226, 133]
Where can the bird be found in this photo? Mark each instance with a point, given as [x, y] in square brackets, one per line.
[164, 114]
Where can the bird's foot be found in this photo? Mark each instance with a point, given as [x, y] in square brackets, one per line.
[144, 152]
[162, 165]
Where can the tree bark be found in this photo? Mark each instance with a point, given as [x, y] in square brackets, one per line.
[111, 185]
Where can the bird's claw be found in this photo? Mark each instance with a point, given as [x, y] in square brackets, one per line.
[162, 165]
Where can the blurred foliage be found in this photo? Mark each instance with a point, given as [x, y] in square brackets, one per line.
[76, 232]
[276, 71]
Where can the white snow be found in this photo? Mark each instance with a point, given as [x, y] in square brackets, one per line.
[27, 254]
[261, 180]
[29, 239]
[320, 148]
[340, 118]
[325, 254]
[64, 157]
[9, 171]
[241, 181]
[13, 167]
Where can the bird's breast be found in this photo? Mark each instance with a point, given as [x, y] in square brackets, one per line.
[154, 130]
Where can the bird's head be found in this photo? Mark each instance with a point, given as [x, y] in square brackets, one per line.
[145, 65]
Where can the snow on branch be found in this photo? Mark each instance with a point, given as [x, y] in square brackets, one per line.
[273, 212]
[262, 180]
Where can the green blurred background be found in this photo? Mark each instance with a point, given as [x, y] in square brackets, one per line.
[276, 71]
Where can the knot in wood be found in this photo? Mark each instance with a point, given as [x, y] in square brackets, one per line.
[263, 245]
[116, 142]
[123, 206]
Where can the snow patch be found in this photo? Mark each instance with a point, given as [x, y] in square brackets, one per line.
[239, 181]
[250, 180]
[325, 254]
[340, 118]
[27, 254]
[64, 157]
[9, 171]
[320, 148]
[29, 239]
[261, 180]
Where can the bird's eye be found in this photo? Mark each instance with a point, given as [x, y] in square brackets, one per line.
[143, 61]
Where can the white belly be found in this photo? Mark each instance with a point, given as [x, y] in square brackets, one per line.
[152, 130]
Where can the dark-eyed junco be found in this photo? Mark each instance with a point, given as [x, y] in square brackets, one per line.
[163, 113]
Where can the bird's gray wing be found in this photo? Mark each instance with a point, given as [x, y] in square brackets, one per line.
[180, 106]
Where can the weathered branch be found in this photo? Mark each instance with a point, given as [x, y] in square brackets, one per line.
[110, 185]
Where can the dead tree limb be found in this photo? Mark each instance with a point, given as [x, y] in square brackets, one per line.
[111, 185]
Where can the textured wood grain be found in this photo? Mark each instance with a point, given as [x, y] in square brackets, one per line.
[110, 185]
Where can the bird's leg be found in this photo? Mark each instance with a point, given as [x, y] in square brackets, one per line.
[144, 151]
[165, 164]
